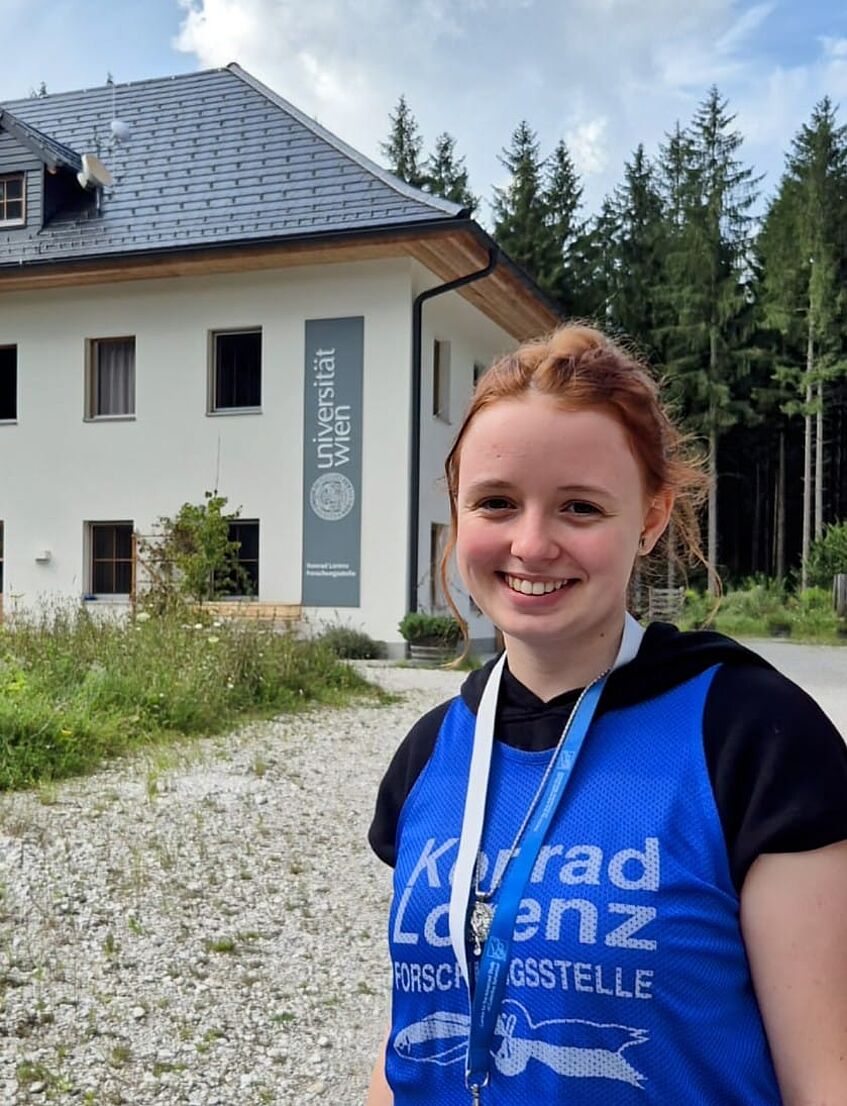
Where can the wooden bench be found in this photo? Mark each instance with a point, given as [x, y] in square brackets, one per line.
[249, 610]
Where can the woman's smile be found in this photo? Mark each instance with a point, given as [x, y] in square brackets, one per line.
[551, 508]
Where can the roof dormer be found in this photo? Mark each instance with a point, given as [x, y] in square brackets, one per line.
[27, 154]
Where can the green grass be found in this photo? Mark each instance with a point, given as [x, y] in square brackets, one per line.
[761, 608]
[75, 690]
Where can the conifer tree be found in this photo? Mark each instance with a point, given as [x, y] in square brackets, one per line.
[804, 249]
[562, 198]
[593, 269]
[446, 175]
[404, 145]
[520, 211]
[640, 243]
[707, 261]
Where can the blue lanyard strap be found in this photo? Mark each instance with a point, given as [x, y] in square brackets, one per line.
[494, 965]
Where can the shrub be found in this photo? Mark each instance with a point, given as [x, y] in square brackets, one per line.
[75, 689]
[350, 644]
[191, 557]
[764, 607]
[828, 555]
[430, 629]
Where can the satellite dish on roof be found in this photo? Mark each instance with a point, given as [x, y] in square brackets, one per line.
[120, 131]
[94, 173]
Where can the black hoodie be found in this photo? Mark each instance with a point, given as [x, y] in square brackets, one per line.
[777, 765]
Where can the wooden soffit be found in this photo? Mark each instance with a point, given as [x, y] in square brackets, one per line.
[504, 297]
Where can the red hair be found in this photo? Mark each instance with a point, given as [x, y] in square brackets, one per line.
[582, 369]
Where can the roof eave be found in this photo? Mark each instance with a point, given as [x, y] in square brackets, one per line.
[27, 135]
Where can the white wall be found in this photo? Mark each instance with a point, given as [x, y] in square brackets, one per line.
[58, 471]
[473, 339]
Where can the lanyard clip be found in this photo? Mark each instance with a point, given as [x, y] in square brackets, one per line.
[475, 1085]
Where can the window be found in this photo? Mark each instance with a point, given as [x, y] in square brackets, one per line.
[441, 380]
[438, 535]
[478, 370]
[111, 557]
[245, 582]
[12, 200]
[1, 567]
[236, 377]
[111, 378]
[8, 383]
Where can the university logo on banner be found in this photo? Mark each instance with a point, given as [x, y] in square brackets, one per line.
[332, 462]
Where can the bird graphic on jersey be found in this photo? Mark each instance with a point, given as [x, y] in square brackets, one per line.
[569, 1046]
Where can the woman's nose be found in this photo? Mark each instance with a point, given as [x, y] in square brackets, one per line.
[533, 538]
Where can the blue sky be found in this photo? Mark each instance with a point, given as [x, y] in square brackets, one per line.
[603, 74]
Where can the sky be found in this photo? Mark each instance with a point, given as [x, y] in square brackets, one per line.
[604, 75]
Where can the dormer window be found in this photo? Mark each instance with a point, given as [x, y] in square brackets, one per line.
[12, 200]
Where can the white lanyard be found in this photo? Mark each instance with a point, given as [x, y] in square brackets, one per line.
[474, 815]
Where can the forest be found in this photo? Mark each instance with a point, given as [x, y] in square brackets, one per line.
[736, 299]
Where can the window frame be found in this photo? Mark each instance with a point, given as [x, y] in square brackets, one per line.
[18, 221]
[212, 405]
[92, 366]
[91, 560]
[441, 380]
[439, 535]
[254, 576]
[14, 418]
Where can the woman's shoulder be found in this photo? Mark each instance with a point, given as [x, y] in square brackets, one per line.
[777, 764]
[410, 759]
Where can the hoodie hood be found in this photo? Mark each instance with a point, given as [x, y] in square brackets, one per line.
[667, 657]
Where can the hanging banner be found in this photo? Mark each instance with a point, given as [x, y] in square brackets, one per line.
[332, 462]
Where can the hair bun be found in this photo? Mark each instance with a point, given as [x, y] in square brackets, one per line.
[573, 342]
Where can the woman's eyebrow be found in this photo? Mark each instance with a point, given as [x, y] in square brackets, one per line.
[563, 489]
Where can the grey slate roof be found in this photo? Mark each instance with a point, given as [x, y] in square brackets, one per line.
[214, 158]
[51, 152]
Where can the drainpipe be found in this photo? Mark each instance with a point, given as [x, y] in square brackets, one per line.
[415, 435]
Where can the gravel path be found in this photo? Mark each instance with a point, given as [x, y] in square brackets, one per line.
[210, 931]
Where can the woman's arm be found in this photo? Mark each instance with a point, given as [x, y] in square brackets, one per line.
[794, 922]
[379, 1093]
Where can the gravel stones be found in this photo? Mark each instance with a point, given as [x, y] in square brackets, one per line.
[205, 927]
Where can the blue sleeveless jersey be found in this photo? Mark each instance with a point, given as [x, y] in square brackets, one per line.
[629, 982]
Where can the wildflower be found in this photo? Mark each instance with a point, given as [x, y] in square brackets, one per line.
[198, 626]
[142, 616]
[213, 640]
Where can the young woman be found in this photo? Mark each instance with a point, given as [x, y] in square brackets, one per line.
[620, 856]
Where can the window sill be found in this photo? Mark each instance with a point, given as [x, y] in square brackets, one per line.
[234, 411]
[119, 599]
[108, 418]
[8, 422]
[443, 419]
[8, 224]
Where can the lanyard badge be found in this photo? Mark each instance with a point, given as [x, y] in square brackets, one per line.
[494, 965]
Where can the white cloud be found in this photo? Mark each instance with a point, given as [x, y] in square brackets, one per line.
[834, 47]
[587, 144]
[604, 74]
[743, 27]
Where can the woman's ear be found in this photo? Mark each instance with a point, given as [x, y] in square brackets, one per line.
[656, 518]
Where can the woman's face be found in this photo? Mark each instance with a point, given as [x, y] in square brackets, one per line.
[550, 510]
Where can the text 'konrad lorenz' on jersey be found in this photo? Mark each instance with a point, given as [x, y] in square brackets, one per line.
[627, 980]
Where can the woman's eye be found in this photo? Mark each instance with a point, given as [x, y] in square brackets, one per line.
[579, 507]
[495, 503]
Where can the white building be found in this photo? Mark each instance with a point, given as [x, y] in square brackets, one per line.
[228, 301]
